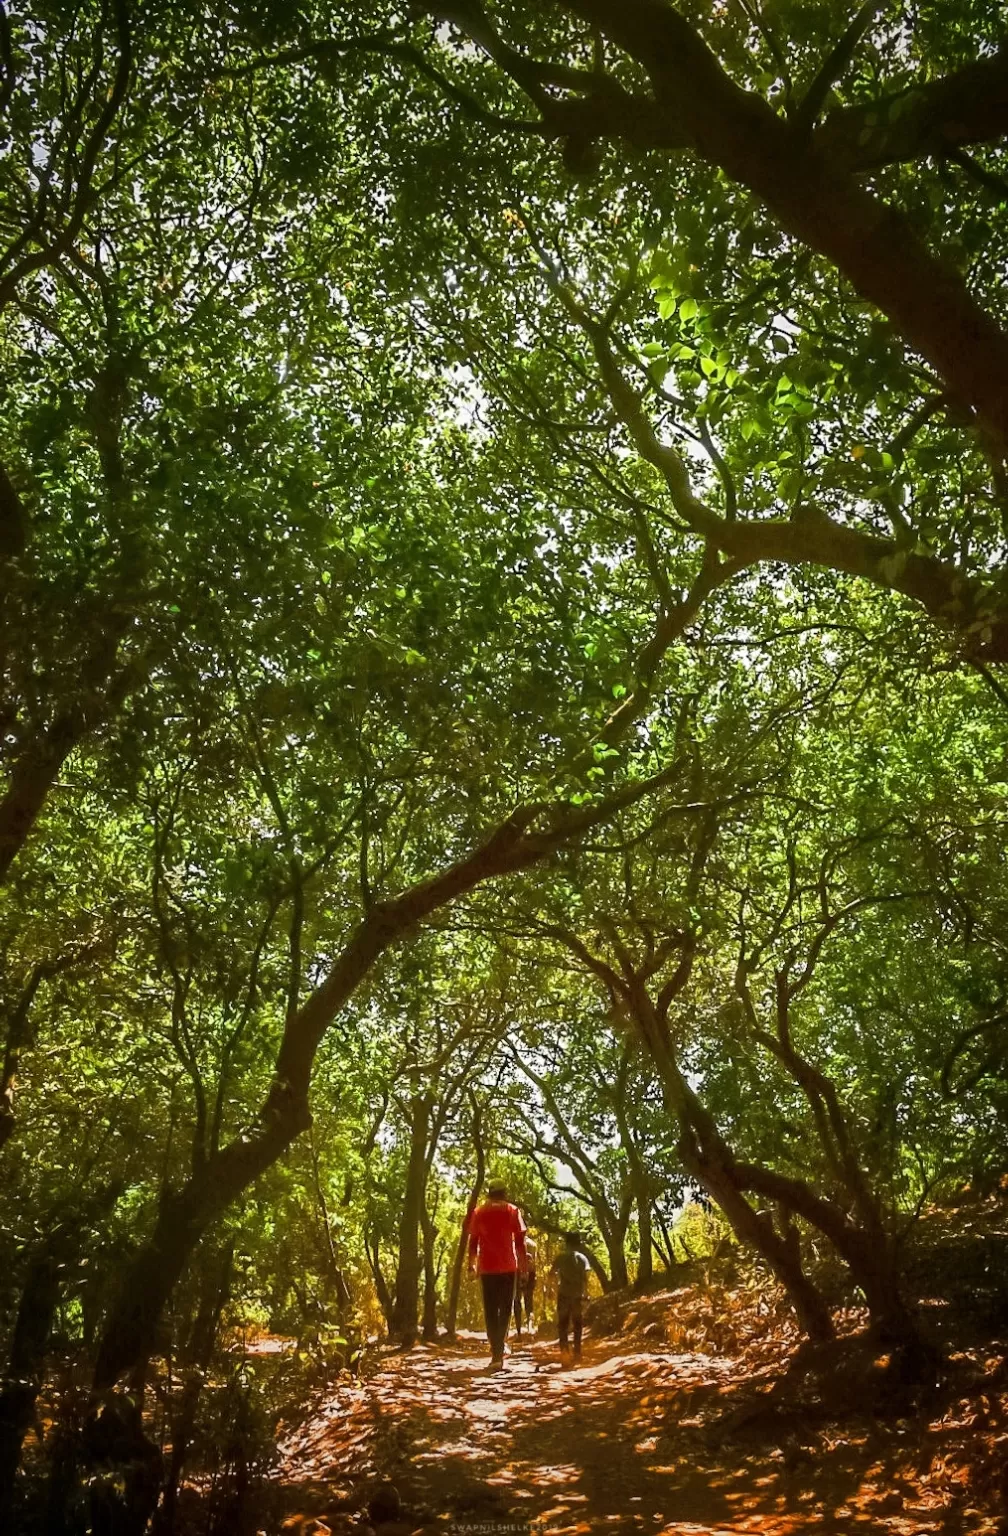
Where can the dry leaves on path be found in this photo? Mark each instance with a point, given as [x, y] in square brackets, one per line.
[632, 1440]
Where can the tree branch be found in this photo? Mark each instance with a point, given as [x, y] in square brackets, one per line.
[930, 118]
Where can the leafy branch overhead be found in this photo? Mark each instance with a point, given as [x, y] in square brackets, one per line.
[503, 612]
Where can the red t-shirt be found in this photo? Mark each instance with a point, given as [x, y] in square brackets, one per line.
[497, 1233]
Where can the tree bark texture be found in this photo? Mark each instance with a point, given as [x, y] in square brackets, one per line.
[406, 1305]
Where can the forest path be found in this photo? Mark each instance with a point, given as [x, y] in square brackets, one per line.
[631, 1440]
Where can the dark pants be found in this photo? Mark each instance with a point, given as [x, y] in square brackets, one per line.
[570, 1309]
[524, 1291]
[498, 1296]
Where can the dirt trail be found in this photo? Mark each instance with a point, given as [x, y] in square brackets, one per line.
[632, 1440]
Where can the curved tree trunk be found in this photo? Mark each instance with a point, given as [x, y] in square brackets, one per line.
[131, 1326]
[860, 1236]
[598, 1270]
[781, 1254]
[707, 1158]
[868, 1253]
[813, 196]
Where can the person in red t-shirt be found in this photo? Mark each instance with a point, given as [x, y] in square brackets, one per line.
[497, 1254]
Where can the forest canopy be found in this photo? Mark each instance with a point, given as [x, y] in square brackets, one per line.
[504, 576]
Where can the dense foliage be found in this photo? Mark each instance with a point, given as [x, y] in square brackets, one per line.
[502, 544]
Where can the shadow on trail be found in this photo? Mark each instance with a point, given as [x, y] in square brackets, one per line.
[658, 1442]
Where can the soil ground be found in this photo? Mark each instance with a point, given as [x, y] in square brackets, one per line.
[639, 1438]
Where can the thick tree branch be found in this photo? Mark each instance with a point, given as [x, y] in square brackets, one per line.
[971, 607]
[833, 66]
[932, 118]
[807, 186]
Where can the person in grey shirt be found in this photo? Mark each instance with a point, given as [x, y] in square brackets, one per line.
[571, 1270]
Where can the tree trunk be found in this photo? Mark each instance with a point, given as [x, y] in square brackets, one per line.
[782, 1254]
[666, 1248]
[457, 1271]
[708, 1159]
[101, 692]
[893, 1319]
[859, 1233]
[869, 1254]
[16, 1036]
[31, 781]
[30, 1336]
[26, 1360]
[645, 1239]
[378, 1275]
[619, 1277]
[458, 1263]
[430, 1276]
[645, 1235]
[614, 1230]
[131, 1327]
[334, 1271]
[603, 1275]
[867, 1251]
[406, 1307]
[215, 1285]
[639, 1185]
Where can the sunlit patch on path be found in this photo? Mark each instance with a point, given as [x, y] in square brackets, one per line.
[627, 1441]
